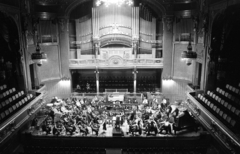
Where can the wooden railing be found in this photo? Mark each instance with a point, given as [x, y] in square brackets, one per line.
[117, 62]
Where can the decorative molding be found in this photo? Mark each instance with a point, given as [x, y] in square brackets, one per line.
[115, 61]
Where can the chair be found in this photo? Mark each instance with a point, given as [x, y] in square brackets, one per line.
[233, 109]
[7, 102]
[229, 119]
[10, 110]
[211, 105]
[17, 105]
[227, 86]
[14, 107]
[214, 108]
[233, 123]
[6, 112]
[208, 103]
[229, 106]
[222, 102]
[221, 113]
[224, 116]
[237, 112]
[217, 110]
[225, 104]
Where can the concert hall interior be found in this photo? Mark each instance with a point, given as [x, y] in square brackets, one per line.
[119, 77]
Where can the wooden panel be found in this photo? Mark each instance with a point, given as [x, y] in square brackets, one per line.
[174, 89]
[61, 89]
[50, 69]
[180, 69]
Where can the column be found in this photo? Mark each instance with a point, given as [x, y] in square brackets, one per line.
[167, 46]
[78, 53]
[96, 48]
[135, 80]
[135, 48]
[97, 80]
[64, 46]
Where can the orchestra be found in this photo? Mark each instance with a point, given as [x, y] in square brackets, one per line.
[86, 117]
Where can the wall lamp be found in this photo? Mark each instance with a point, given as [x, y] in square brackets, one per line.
[189, 55]
[38, 57]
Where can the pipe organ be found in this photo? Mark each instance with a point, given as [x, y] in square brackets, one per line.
[116, 27]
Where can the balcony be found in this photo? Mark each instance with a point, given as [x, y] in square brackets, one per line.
[115, 62]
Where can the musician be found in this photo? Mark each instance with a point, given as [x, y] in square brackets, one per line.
[145, 101]
[78, 88]
[88, 87]
[165, 103]
[58, 128]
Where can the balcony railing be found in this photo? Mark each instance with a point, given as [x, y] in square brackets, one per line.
[116, 62]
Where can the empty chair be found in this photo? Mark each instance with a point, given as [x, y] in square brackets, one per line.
[224, 116]
[227, 86]
[10, 99]
[221, 113]
[237, 112]
[233, 122]
[229, 119]
[211, 105]
[17, 105]
[14, 107]
[6, 112]
[217, 110]
[22, 92]
[229, 106]
[10, 110]
[226, 104]
[208, 103]
[3, 115]
[233, 109]
[7, 102]
[208, 92]
[214, 108]
[199, 95]
[222, 102]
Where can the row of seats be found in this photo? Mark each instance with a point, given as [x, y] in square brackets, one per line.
[62, 150]
[233, 89]
[2, 87]
[7, 93]
[9, 100]
[20, 101]
[179, 150]
[229, 96]
[218, 110]
[228, 105]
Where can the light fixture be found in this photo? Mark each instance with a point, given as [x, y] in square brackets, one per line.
[189, 55]
[116, 2]
[65, 78]
[38, 57]
[134, 72]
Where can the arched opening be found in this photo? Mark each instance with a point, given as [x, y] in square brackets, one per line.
[11, 69]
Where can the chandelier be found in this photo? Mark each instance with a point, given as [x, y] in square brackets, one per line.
[116, 2]
[38, 57]
[189, 55]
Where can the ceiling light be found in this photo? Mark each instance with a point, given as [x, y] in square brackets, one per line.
[189, 55]
[38, 57]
